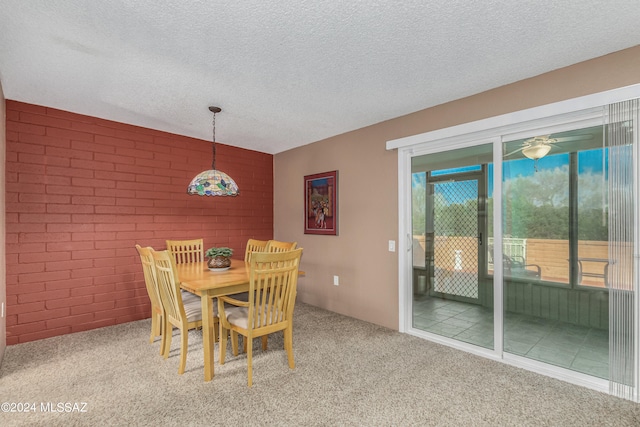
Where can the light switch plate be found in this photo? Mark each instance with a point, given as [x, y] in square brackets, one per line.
[392, 245]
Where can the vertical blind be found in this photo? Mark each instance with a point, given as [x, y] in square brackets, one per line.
[621, 136]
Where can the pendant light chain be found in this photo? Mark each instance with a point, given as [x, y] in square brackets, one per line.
[213, 144]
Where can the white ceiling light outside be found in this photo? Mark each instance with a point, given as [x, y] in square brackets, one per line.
[537, 150]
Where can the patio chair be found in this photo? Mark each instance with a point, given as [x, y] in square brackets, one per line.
[515, 266]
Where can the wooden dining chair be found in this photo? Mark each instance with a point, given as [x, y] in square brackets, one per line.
[278, 246]
[254, 245]
[157, 311]
[272, 246]
[185, 251]
[157, 308]
[183, 315]
[273, 279]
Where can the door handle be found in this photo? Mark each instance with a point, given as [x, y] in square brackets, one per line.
[480, 239]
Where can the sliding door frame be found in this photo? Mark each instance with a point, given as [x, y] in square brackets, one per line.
[405, 256]
[496, 131]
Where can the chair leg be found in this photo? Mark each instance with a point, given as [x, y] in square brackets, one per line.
[154, 326]
[265, 340]
[184, 341]
[223, 343]
[159, 323]
[234, 342]
[249, 361]
[216, 326]
[163, 335]
[168, 332]
[288, 346]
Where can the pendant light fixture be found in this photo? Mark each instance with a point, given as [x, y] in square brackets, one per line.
[213, 182]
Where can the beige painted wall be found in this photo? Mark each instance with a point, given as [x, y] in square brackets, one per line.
[3, 264]
[368, 199]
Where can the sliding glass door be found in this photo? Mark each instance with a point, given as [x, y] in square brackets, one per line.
[451, 296]
[556, 298]
[521, 242]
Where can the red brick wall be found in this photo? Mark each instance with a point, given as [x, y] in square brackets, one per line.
[82, 191]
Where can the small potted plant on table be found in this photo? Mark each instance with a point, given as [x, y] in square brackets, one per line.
[219, 258]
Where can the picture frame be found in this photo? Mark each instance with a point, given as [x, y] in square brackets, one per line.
[321, 203]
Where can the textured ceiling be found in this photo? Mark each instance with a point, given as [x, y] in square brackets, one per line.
[289, 72]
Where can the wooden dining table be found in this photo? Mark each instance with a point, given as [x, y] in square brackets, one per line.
[198, 279]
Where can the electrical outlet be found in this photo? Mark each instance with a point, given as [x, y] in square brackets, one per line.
[336, 280]
[392, 245]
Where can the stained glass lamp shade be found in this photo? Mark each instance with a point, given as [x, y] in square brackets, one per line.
[213, 182]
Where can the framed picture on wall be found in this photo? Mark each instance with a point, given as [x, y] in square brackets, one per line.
[321, 203]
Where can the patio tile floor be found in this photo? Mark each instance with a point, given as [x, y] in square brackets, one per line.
[574, 347]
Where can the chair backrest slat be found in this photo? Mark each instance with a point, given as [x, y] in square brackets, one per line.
[169, 286]
[278, 246]
[254, 245]
[273, 279]
[186, 251]
[150, 279]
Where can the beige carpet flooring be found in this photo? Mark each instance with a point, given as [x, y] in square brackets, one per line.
[348, 373]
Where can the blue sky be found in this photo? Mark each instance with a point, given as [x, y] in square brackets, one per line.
[588, 161]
